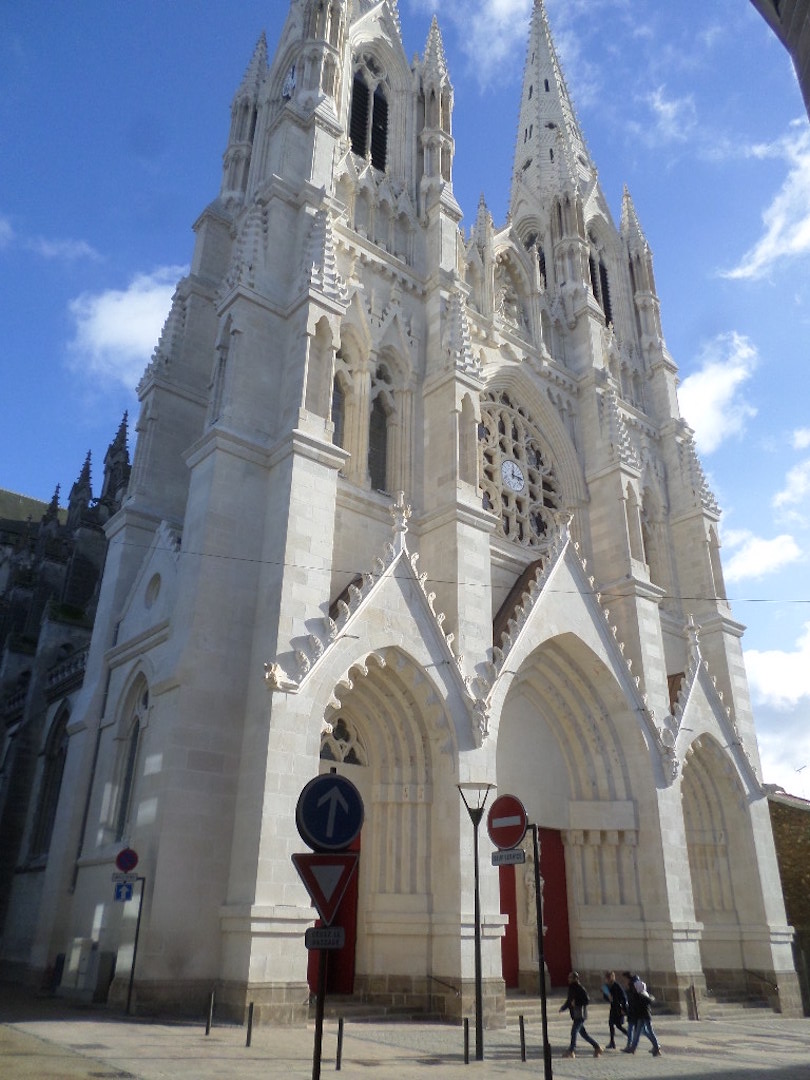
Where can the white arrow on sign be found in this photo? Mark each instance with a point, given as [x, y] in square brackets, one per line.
[335, 799]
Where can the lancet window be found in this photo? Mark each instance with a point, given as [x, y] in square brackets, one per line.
[368, 121]
[131, 730]
[370, 410]
[600, 285]
[53, 769]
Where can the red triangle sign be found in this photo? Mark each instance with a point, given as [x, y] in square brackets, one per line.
[326, 876]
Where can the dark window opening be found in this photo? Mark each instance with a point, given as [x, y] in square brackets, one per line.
[379, 130]
[338, 413]
[545, 83]
[358, 126]
[605, 290]
[55, 755]
[378, 446]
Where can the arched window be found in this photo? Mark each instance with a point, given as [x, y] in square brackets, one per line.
[53, 769]
[379, 130]
[128, 759]
[378, 445]
[368, 120]
[127, 780]
[358, 125]
[338, 413]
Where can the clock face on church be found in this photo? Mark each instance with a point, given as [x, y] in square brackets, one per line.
[512, 475]
[517, 482]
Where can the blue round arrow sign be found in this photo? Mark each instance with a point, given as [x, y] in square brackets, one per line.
[329, 814]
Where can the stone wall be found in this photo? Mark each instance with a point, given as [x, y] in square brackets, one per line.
[790, 817]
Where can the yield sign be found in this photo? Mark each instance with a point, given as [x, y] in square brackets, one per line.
[325, 877]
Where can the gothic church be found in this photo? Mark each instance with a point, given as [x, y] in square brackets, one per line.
[414, 503]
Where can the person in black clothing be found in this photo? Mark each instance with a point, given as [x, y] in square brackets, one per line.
[613, 993]
[639, 1015]
[577, 1005]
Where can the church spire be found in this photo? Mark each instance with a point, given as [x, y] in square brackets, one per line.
[551, 152]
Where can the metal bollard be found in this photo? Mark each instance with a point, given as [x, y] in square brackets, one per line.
[522, 1038]
[466, 1040]
[250, 1025]
[210, 1018]
[339, 1057]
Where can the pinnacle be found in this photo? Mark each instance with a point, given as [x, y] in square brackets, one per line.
[435, 56]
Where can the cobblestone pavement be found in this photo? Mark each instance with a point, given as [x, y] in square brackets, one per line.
[47, 1041]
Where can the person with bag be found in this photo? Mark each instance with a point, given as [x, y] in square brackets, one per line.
[577, 1005]
[640, 1003]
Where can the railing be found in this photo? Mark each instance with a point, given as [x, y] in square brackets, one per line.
[449, 986]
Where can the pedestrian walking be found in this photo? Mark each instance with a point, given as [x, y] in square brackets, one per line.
[577, 1005]
[640, 1003]
[613, 993]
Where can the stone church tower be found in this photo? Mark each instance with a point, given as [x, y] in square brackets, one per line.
[415, 504]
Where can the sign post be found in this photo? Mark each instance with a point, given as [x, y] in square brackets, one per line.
[126, 860]
[541, 953]
[329, 817]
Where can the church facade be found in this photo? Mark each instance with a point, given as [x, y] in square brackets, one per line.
[417, 505]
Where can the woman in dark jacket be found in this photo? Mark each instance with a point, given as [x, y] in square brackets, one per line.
[577, 1005]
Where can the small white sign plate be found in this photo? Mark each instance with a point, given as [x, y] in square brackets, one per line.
[510, 857]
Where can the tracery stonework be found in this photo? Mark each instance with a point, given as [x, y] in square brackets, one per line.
[517, 482]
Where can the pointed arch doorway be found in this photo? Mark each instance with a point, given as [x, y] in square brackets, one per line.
[515, 890]
[386, 737]
[562, 733]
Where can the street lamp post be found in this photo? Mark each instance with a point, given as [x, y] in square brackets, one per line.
[538, 892]
[479, 792]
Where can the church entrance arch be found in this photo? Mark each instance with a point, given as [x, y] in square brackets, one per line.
[561, 749]
[721, 853]
[390, 736]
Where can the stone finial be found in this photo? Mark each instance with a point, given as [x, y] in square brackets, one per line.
[400, 513]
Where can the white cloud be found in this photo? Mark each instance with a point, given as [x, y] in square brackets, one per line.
[673, 118]
[490, 31]
[754, 557]
[778, 678]
[801, 438]
[67, 250]
[711, 399]
[797, 486]
[784, 748]
[117, 330]
[787, 220]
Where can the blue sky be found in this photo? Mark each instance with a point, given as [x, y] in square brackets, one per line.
[113, 121]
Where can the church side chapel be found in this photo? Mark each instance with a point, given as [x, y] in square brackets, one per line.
[413, 502]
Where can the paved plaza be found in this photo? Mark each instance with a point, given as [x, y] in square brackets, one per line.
[48, 1040]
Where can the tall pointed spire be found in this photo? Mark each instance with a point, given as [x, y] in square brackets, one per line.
[631, 227]
[550, 148]
[435, 59]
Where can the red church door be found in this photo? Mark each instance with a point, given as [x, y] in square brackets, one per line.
[340, 966]
[556, 944]
[510, 953]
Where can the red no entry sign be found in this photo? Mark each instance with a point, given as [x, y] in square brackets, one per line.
[507, 822]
